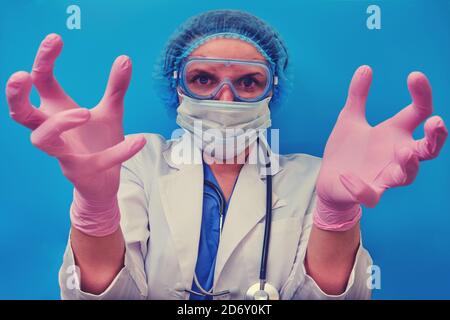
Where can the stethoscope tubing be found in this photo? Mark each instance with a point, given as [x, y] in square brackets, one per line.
[267, 226]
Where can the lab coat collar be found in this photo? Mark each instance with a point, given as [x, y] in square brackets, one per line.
[182, 199]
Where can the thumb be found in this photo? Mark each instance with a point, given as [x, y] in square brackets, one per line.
[360, 191]
[116, 154]
[400, 172]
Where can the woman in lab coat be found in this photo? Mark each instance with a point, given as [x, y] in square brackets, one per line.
[149, 224]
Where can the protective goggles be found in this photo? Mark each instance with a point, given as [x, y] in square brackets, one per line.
[203, 78]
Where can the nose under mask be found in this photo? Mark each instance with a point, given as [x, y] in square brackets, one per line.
[223, 129]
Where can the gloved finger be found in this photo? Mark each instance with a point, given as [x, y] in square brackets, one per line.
[47, 137]
[358, 92]
[118, 82]
[400, 172]
[114, 155]
[42, 72]
[18, 90]
[420, 108]
[360, 191]
[409, 163]
[435, 135]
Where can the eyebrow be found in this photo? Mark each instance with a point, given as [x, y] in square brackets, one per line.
[198, 70]
[211, 73]
[257, 58]
[254, 74]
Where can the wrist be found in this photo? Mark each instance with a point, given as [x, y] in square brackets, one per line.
[334, 218]
[94, 217]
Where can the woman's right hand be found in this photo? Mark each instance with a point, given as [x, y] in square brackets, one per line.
[90, 147]
[89, 144]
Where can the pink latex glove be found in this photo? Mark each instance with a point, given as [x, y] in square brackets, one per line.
[361, 161]
[89, 144]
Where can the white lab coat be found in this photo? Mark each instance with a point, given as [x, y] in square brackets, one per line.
[161, 209]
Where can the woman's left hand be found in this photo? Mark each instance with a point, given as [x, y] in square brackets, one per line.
[361, 161]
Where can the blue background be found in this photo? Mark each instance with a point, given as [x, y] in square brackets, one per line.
[407, 233]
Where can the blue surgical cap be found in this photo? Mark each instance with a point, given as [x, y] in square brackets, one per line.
[220, 24]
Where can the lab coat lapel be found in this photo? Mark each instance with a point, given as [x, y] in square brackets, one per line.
[245, 210]
[182, 199]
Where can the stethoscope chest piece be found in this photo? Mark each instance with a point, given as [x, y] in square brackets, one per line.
[256, 293]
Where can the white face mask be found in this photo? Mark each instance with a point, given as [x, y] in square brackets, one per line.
[223, 129]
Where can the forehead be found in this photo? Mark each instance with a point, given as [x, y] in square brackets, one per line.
[228, 49]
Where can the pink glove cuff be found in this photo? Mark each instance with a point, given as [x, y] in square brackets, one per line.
[94, 218]
[330, 219]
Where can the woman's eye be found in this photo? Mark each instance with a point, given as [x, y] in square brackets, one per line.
[248, 82]
[203, 79]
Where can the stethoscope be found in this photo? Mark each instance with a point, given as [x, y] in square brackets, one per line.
[261, 290]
